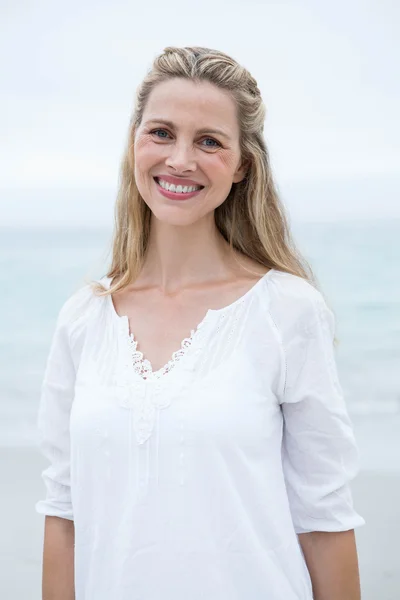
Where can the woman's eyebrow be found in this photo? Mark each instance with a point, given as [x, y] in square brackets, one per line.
[204, 130]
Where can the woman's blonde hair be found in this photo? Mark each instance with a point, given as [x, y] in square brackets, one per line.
[252, 218]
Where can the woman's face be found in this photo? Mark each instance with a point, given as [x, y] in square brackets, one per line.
[189, 136]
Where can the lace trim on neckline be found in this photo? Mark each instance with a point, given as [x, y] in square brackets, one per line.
[143, 367]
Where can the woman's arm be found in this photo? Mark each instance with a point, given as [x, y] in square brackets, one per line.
[332, 561]
[319, 452]
[57, 395]
[58, 559]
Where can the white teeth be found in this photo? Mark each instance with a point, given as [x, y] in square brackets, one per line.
[179, 189]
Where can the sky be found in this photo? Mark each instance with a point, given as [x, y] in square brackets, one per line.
[326, 71]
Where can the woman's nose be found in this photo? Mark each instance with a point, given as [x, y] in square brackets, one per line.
[181, 158]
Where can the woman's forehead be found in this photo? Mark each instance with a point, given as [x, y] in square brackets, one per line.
[180, 100]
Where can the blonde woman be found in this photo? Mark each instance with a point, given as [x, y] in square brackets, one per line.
[199, 441]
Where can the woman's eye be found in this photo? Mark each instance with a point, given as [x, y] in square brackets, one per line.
[211, 140]
[163, 135]
[157, 131]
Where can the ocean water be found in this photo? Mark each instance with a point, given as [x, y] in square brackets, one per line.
[356, 263]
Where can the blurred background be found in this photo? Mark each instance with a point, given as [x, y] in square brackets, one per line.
[327, 72]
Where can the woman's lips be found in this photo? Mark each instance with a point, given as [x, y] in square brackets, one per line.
[178, 180]
[176, 195]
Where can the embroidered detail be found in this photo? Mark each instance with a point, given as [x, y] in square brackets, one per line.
[140, 389]
[143, 367]
[135, 397]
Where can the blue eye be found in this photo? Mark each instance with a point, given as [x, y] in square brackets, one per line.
[212, 140]
[158, 131]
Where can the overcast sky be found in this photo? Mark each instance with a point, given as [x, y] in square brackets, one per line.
[328, 72]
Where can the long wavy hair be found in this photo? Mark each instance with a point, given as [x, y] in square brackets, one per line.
[251, 219]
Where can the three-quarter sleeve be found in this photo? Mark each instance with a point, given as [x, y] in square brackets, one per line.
[319, 452]
[53, 422]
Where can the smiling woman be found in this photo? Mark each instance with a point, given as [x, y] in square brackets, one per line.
[183, 148]
[191, 409]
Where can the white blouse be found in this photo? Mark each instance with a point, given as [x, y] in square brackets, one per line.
[192, 482]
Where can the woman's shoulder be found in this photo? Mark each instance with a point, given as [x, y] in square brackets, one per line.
[290, 286]
[293, 298]
[81, 303]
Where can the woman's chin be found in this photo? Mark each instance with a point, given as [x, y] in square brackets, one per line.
[174, 215]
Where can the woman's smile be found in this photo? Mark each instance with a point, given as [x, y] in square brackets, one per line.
[184, 190]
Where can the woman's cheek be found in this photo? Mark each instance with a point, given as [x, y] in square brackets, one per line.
[147, 156]
[145, 146]
[229, 160]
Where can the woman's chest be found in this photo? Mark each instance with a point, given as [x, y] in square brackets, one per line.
[232, 406]
[221, 389]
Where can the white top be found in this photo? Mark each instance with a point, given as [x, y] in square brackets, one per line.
[192, 482]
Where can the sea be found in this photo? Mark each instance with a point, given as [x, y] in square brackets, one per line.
[357, 265]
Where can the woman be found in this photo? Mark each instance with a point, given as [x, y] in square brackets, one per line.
[198, 436]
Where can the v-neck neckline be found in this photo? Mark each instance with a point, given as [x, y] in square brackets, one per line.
[140, 362]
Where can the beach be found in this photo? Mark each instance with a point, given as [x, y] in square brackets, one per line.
[376, 496]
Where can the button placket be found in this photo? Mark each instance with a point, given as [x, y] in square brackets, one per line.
[138, 397]
[143, 474]
[182, 457]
